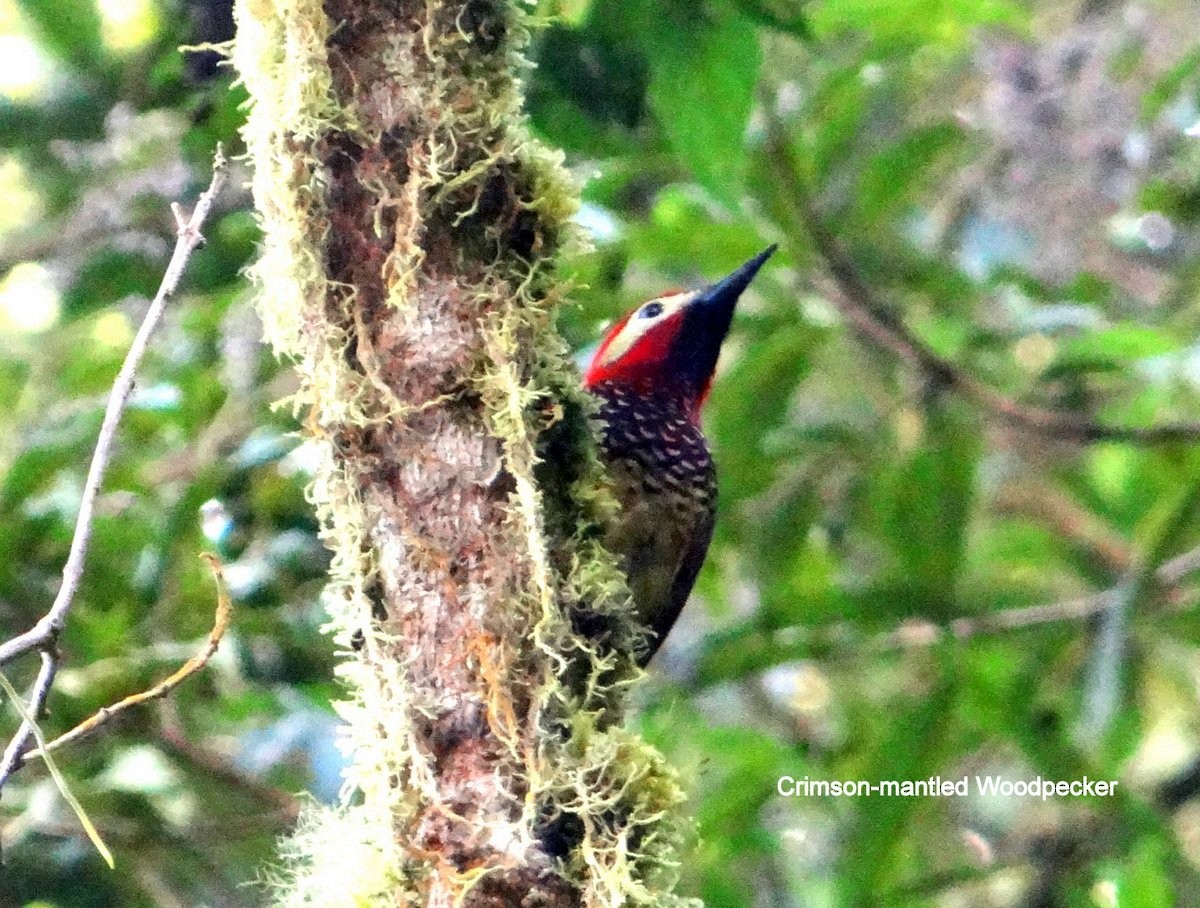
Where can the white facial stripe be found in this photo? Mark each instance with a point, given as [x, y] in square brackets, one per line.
[637, 324]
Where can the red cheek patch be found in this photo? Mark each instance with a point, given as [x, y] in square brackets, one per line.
[643, 361]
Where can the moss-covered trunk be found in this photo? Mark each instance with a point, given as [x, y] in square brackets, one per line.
[410, 225]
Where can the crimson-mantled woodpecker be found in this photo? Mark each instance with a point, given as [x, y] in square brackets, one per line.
[652, 374]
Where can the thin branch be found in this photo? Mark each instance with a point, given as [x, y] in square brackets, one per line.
[14, 753]
[1168, 575]
[876, 321]
[43, 634]
[107, 714]
[925, 633]
[1178, 568]
[1089, 535]
[56, 775]
[839, 642]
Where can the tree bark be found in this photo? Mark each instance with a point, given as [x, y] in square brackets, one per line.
[410, 226]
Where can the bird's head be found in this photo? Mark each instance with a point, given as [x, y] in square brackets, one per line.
[672, 342]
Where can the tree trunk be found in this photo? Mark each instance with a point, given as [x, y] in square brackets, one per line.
[410, 225]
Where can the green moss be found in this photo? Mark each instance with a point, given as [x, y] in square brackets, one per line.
[327, 842]
[430, 172]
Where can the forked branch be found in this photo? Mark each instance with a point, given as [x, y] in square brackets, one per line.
[43, 636]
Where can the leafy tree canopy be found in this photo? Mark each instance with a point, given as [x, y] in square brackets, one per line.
[958, 478]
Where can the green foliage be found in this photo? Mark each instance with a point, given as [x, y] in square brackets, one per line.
[703, 72]
[70, 31]
[924, 507]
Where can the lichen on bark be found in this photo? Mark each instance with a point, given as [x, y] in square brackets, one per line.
[410, 227]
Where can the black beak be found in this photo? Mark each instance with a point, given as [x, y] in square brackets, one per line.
[712, 311]
[708, 318]
[724, 294]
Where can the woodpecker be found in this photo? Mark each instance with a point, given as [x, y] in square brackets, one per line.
[652, 374]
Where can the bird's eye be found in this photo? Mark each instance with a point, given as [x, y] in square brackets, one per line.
[650, 310]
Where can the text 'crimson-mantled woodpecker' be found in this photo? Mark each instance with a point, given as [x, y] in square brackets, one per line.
[652, 374]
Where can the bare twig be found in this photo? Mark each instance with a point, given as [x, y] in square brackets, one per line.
[107, 714]
[43, 636]
[188, 238]
[50, 626]
[839, 641]
[876, 321]
[919, 633]
[13, 754]
[1178, 568]
[56, 775]
[1169, 574]
[1089, 535]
